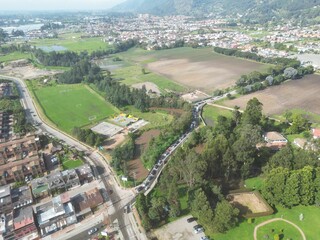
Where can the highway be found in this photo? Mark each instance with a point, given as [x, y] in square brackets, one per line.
[119, 197]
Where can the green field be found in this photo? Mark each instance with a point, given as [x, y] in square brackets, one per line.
[156, 118]
[73, 42]
[210, 114]
[254, 183]
[309, 225]
[14, 56]
[69, 106]
[133, 74]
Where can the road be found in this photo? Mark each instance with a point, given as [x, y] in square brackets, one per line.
[120, 197]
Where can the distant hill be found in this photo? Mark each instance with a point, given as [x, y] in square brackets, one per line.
[256, 9]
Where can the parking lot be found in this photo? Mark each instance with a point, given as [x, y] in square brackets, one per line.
[178, 230]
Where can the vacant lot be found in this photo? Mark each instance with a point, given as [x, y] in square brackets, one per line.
[69, 106]
[295, 94]
[201, 68]
[136, 168]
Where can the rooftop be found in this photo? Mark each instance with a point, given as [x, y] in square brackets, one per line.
[274, 136]
[21, 196]
[5, 191]
[22, 217]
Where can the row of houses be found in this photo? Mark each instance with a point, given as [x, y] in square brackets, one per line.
[30, 222]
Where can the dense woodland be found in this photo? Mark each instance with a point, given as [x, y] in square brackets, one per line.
[229, 154]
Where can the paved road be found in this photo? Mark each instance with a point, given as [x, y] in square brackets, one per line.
[120, 197]
[274, 220]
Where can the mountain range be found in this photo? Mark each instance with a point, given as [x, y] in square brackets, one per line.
[263, 9]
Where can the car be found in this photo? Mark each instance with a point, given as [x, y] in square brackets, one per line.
[139, 189]
[197, 226]
[198, 230]
[189, 220]
[126, 209]
[205, 238]
[156, 166]
[92, 231]
[150, 177]
[153, 172]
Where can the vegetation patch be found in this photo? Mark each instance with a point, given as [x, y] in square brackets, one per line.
[70, 163]
[69, 106]
[14, 56]
[282, 229]
[210, 114]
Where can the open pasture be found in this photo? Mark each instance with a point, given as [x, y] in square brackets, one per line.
[69, 106]
[295, 94]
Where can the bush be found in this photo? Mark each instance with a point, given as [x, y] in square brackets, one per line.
[276, 237]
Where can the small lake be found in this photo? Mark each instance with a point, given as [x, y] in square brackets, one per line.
[52, 48]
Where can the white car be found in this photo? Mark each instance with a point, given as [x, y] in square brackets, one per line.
[92, 231]
[198, 230]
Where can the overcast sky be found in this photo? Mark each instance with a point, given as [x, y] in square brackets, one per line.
[28, 5]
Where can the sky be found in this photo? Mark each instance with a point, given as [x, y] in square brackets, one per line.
[29, 5]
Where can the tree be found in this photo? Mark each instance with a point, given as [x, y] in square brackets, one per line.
[292, 190]
[275, 185]
[201, 209]
[253, 113]
[3, 35]
[283, 158]
[290, 72]
[307, 186]
[226, 216]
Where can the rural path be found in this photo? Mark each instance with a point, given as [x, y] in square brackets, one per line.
[274, 220]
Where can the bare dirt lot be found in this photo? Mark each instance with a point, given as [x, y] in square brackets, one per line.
[149, 86]
[248, 202]
[26, 72]
[295, 94]
[202, 70]
[136, 168]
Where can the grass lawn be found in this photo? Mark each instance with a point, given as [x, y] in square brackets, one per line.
[309, 225]
[69, 106]
[14, 56]
[133, 74]
[156, 118]
[70, 164]
[73, 42]
[210, 114]
[285, 231]
[254, 183]
[314, 118]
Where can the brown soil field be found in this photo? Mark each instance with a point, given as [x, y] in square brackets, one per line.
[207, 74]
[295, 94]
[248, 202]
[136, 168]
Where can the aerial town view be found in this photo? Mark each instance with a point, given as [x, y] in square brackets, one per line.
[160, 119]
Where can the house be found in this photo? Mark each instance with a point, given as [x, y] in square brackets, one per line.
[21, 197]
[316, 133]
[85, 173]
[70, 178]
[40, 187]
[84, 203]
[5, 199]
[24, 224]
[274, 140]
[55, 215]
[55, 182]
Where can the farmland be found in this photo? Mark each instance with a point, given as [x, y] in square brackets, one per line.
[194, 68]
[13, 56]
[295, 94]
[72, 42]
[69, 106]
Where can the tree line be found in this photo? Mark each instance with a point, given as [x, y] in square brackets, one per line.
[285, 69]
[88, 136]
